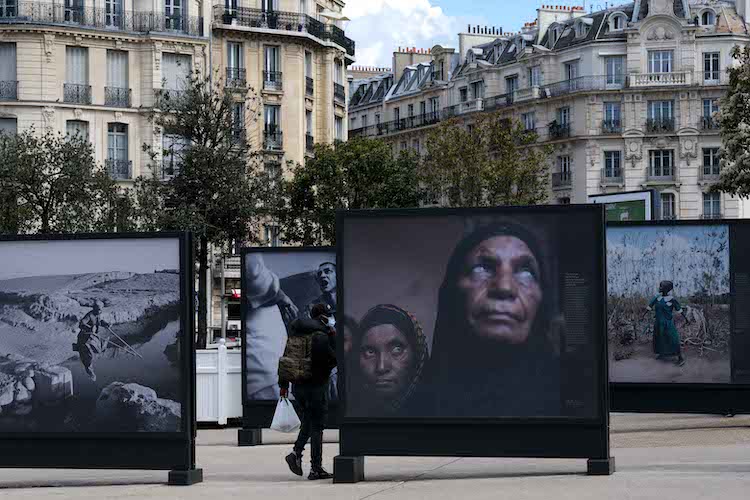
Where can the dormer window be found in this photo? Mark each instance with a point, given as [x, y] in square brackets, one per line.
[581, 30]
[617, 21]
[554, 35]
[708, 18]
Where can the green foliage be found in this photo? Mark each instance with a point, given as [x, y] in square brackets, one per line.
[50, 183]
[492, 161]
[734, 122]
[361, 173]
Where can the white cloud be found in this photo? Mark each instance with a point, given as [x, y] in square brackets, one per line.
[381, 26]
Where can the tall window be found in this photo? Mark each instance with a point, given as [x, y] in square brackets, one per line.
[172, 148]
[77, 65]
[423, 108]
[272, 235]
[234, 55]
[711, 67]
[661, 110]
[612, 116]
[535, 76]
[511, 84]
[113, 13]
[308, 122]
[338, 72]
[173, 12]
[563, 116]
[303, 6]
[410, 110]
[77, 128]
[8, 77]
[710, 108]
[477, 90]
[463, 94]
[563, 166]
[272, 118]
[339, 128]
[308, 64]
[661, 163]
[73, 10]
[272, 61]
[175, 70]
[434, 104]
[117, 151]
[529, 121]
[269, 5]
[396, 113]
[8, 8]
[711, 205]
[612, 164]
[711, 161]
[618, 22]
[117, 92]
[571, 70]
[238, 119]
[668, 208]
[660, 61]
[708, 18]
[8, 126]
[615, 67]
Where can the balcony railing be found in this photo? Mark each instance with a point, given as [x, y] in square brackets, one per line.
[401, 125]
[169, 168]
[580, 84]
[709, 123]
[168, 97]
[561, 179]
[273, 140]
[49, 13]
[339, 94]
[309, 86]
[712, 215]
[663, 175]
[309, 142]
[526, 94]
[559, 131]
[709, 174]
[238, 132]
[660, 125]
[611, 176]
[236, 77]
[272, 80]
[498, 102]
[284, 21]
[611, 127]
[8, 90]
[120, 169]
[660, 79]
[117, 97]
[76, 93]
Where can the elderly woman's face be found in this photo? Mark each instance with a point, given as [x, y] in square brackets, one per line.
[500, 285]
[385, 359]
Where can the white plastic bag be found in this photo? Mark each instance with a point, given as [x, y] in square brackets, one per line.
[285, 419]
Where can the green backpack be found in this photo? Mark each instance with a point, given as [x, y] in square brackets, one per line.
[295, 365]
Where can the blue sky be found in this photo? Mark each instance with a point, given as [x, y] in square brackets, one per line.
[380, 26]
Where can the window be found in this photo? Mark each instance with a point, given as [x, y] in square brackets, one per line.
[581, 29]
[612, 164]
[238, 120]
[710, 107]
[8, 78]
[615, 67]
[173, 14]
[708, 18]
[511, 84]
[529, 121]
[113, 13]
[175, 70]
[272, 71]
[410, 109]
[303, 6]
[661, 110]
[269, 5]
[617, 23]
[477, 90]
[554, 35]
[463, 93]
[117, 92]
[423, 108]
[563, 116]
[396, 113]
[711, 162]
[661, 163]
[563, 165]
[377, 118]
[308, 64]
[434, 105]
[117, 151]
[571, 70]
[364, 121]
[172, 148]
[77, 128]
[338, 72]
[271, 234]
[711, 205]
[272, 118]
[535, 76]
[565, 200]
[234, 55]
[8, 8]
[660, 61]
[667, 206]
[8, 126]
[711, 67]
[77, 65]
[612, 117]
[403, 146]
[339, 125]
[415, 145]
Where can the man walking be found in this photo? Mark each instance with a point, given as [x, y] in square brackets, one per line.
[91, 341]
[311, 392]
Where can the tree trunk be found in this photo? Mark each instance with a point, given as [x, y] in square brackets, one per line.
[202, 291]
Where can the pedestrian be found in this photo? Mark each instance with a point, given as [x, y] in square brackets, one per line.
[311, 389]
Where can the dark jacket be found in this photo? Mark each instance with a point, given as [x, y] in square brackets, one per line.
[323, 349]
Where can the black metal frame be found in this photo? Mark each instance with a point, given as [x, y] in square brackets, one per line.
[256, 414]
[121, 450]
[555, 437]
[729, 398]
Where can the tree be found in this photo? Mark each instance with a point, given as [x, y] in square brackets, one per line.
[360, 173]
[214, 174]
[491, 161]
[734, 123]
[50, 183]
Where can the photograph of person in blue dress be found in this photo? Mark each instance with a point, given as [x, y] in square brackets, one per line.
[666, 336]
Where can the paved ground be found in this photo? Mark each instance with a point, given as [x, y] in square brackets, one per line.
[661, 457]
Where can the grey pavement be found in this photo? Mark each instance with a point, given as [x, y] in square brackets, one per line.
[660, 457]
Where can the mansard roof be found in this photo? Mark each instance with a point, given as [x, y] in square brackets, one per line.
[370, 90]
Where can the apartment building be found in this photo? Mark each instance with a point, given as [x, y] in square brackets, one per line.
[626, 96]
[95, 67]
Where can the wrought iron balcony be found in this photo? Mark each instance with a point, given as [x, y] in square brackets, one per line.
[238, 132]
[309, 86]
[272, 80]
[283, 21]
[559, 131]
[709, 173]
[339, 93]
[709, 123]
[712, 215]
[120, 170]
[579, 84]
[117, 97]
[663, 175]
[561, 179]
[611, 127]
[661, 79]
[51, 13]
[8, 90]
[236, 77]
[309, 142]
[76, 93]
[273, 140]
[394, 126]
[169, 168]
[660, 125]
[611, 176]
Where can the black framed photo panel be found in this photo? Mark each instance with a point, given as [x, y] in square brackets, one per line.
[279, 285]
[96, 351]
[477, 332]
[678, 316]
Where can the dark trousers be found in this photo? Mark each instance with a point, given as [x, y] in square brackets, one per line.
[312, 401]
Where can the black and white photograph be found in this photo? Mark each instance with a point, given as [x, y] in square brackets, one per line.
[90, 335]
[462, 316]
[278, 287]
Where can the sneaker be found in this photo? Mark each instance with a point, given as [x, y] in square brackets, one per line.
[321, 473]
[294, 462]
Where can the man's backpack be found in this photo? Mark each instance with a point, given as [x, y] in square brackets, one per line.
[295, 365]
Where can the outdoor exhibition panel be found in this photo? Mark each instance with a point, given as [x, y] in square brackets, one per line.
[476, 332]
[97, 363]
[279, 285]
[628, 205]
[679, 316]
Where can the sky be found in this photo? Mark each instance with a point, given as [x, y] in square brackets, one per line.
[380, 26]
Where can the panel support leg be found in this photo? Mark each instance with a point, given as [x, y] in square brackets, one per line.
[348, 469]
[600, 466]
[249, 437]
[185, 477]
